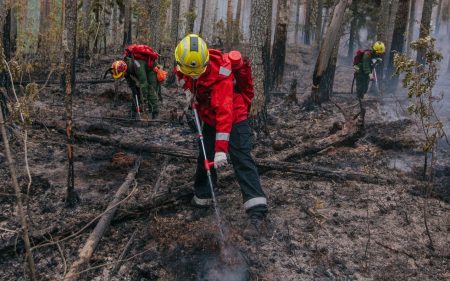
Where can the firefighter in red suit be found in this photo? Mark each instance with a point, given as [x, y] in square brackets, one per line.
[222, 87]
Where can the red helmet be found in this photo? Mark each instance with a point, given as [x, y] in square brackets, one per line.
[119, 68]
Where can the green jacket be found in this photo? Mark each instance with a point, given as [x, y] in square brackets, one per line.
[142, 76]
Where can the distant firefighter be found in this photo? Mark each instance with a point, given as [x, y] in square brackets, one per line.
[364, 64]
[143, 75]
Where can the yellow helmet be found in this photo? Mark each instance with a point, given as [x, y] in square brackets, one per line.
[378, 48]
[192, 55]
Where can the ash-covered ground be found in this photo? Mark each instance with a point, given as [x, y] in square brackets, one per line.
[319, 227]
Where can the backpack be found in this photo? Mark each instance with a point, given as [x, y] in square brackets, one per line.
[243, 77]
[141, 52]
[359, 55]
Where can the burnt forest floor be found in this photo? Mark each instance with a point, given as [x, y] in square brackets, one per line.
[319, 228]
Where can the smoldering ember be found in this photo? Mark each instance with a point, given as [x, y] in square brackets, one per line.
[224, 140]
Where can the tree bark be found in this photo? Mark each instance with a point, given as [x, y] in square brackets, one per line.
[438, 18]
[155, 27]
[279, 46]
[297, 21]
[260, 37]
[84, 34]
[425, 25]
[174, 34]
[353, 30]
[115, 23]
[384, 34]
[307, 25]
[190, 17]
[319, 23]
[323, 76]
[398, 41]
[237, 25]
[127, 24]
[69, 47]
[104, 222]
[44, 11]
[202, 23]
[411, 20]
[229, 31]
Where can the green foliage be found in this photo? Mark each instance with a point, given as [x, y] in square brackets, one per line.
[419, 80]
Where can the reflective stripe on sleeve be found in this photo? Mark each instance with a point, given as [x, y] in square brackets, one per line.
[222, 136]
[182, 82]
[224, 71]
[255, 202]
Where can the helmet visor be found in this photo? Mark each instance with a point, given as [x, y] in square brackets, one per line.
[191, 71]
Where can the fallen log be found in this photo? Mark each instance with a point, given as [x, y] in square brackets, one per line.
[95, 236]
[347, 136]
[306, 170]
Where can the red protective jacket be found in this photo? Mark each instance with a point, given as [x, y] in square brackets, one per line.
[219, 104]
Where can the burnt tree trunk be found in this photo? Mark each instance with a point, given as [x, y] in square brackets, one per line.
[237, 25]
[69, 47]
[323, 76]
[425, 26]
[5, 25]
[260, 37]
[297, 21]
[411, 20]
[174, 34]
[307, 25]
[154, 22]
[385, 29]
[44, 11]
[83, 49]
[319, 23]
[279, 45]
[229, 31]
[438, 18]
[398, 41]
[202, 22]
[353, 30]
[190, 17]
[115, 23]
[127, 25]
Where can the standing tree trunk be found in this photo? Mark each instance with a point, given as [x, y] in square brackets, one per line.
[279, 45]
[438, 18]
[297, 21]
[307, 25]
[115, 23]
[83, 49]
[260, 37]
[155, 27]
[202, 23]
[127, 24]
[425, 25]
[174, 33]
[229, 31]
[69, 47]
[385, 30]
[44, 11]
[319, 23]
[190, 17]
[237, 25]
[398, 41]
[353, 30]
[323, 76]
[411, 20]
